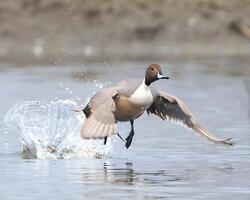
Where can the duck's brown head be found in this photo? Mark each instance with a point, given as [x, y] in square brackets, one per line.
[153, 73]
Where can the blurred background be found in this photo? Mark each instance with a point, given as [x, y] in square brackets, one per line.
[59, 32]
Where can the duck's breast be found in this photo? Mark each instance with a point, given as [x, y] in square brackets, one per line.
[127, 110]
[142, 96]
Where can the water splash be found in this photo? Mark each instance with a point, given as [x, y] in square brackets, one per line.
[53, 131]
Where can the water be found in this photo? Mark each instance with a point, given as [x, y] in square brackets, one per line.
[164, 160]
[52, 131]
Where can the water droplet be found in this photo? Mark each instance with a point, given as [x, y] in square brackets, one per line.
[100, 85]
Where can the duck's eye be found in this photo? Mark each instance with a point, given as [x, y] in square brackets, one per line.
[152, 69]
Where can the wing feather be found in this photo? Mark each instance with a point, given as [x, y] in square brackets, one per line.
[171, 108]
[101, 123]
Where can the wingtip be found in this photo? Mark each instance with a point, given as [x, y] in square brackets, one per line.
[228, 142]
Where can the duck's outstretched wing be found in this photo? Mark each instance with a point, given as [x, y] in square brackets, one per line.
[171, 108]
[101, 123]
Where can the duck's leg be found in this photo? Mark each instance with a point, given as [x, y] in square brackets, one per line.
[105, 140]
[131, 135]
[120, 137]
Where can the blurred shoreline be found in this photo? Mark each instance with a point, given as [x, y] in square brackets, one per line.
[63, 31]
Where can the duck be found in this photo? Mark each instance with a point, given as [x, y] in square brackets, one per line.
[128, 100]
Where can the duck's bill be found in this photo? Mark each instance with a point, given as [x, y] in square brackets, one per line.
[160, 76]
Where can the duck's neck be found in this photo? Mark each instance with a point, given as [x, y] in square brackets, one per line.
[142, 95]
[146, 82]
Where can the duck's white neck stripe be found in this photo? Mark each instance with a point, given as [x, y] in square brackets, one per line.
[142, 95]
[143, 84]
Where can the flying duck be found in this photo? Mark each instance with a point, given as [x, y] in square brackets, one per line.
[128, 100]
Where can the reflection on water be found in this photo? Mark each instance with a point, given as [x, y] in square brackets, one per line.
[131, 180]
[127, 176]
[164, 161]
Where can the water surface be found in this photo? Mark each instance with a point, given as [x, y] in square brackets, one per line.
[164, 160]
